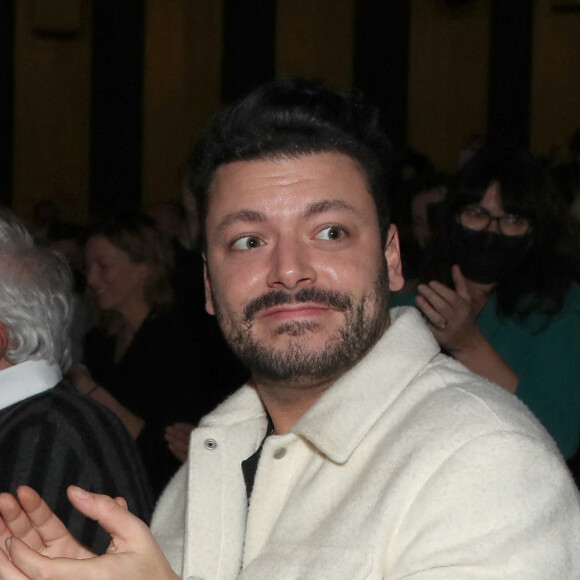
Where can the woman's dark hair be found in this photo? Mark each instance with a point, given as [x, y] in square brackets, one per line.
[290, 119]
[136, 234]
[542, 279]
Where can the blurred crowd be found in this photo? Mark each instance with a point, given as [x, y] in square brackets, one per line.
[490, 257]
[142, 342]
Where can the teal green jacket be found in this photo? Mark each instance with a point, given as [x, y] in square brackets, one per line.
[544, 351]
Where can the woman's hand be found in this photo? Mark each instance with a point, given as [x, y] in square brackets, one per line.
[177, 437]
[132, 554]
[453, 314]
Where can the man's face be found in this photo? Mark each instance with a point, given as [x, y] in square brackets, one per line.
[295, 269]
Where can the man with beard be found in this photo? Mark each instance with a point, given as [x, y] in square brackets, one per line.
[357, 450]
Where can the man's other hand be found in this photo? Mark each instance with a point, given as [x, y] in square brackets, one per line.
[31, 520]
[42, 547]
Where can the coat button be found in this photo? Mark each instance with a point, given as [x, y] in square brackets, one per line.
[210, 444]
[279, 453]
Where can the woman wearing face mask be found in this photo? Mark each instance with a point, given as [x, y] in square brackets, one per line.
[499, 293]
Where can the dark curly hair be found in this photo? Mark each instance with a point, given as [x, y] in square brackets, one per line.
[289, 119]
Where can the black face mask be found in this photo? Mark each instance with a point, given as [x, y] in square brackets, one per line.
[485, 256]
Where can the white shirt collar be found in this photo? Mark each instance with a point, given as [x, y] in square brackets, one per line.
[27, 379]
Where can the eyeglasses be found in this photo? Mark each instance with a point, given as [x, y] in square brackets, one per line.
[478, 218]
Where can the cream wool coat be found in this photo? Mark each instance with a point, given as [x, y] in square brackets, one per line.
[409, 466]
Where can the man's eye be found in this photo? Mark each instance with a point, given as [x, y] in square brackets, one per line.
[247, 243]
[331, 233]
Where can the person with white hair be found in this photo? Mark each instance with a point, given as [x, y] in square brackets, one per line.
[50, 435]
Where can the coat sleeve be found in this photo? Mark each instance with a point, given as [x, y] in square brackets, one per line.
[63, 438]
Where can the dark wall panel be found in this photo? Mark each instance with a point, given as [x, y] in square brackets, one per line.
[510, 72]
[381, 60]
[249, 44]
[117, 97]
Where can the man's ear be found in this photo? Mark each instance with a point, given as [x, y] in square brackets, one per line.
[209, 307]
[393, 257]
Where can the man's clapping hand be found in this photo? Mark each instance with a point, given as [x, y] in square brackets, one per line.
[37, 545]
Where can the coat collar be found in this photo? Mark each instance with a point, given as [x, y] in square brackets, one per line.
[342, 417]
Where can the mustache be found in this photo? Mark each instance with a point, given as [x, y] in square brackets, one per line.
[332, 298]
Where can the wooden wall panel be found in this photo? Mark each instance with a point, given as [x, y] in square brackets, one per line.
[555, 79]
[315, 39]
[182, 87]
[447, 77]
[448, 83]
[51, 118]
[6, 99]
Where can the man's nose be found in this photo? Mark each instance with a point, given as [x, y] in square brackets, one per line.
[291, 265]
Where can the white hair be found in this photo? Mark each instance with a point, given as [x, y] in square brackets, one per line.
[36, 301]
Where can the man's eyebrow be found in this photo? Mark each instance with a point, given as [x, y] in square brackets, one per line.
[328, 205]
[242, 216]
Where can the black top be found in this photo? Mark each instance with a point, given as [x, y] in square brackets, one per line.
[169, 373]
[250, 465]
[59, 438]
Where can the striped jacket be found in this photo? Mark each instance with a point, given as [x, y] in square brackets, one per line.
[59, 438]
